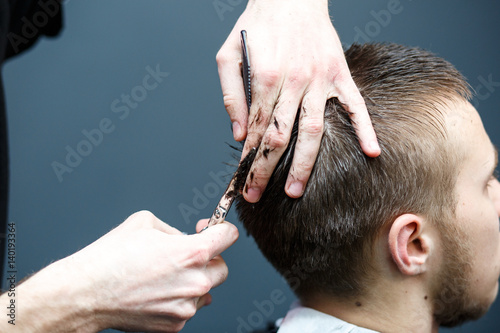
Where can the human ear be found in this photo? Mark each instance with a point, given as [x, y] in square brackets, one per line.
[409, 245]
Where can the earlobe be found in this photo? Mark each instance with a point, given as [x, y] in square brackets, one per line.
[409, 246]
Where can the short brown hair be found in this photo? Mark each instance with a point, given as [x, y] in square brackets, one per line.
[328, 232]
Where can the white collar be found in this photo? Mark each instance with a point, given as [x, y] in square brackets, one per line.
[306, 320]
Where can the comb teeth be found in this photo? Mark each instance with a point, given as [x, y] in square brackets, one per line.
[248, 92]
[247, 83]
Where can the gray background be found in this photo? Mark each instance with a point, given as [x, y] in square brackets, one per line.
[163, 152]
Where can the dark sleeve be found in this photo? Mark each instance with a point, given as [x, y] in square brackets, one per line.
[271, 328]
[22, 22]
[29, 20]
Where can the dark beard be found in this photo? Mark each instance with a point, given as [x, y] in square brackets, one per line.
[452, 300]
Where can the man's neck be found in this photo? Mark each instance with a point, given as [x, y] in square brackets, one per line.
[393, 308]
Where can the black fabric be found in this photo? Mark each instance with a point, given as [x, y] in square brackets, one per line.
[22, 22]
[4, 178]
[271, 328]
[28, 21]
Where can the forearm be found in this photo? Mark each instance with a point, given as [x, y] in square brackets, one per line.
[320, 3]
[56, 299]
[116, 282]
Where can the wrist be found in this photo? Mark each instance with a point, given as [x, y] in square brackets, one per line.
[56, 299]
[300, 5]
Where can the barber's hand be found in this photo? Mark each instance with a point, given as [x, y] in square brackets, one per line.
[159, 277]
[142, 276]
[297, 63]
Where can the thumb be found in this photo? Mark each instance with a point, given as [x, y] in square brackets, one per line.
[228, 63]
[201, 224]
[218, 237]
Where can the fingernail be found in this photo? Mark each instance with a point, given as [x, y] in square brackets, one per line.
[236, 130]
[296, 189]
[253, 194]
[374, 146]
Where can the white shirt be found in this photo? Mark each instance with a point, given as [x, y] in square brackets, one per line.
[307, 320]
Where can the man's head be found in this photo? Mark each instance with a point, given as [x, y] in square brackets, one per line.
[413, 211]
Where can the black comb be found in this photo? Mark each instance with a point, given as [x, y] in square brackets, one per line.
[245, 70]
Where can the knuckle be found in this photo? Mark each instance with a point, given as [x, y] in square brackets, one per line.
[145, 214]
[200, 256]
[177, 327]
[312, 127]
[230, 102]
[186, 312]
[259, 175]
[268, 77]
[234, 233]
[298, 78]
[141, 217]
[224, 272]
[360, 119]
[276, 140]
[254, 134]
[354, 98]
[341, 75]
[252, 141]
[302, 171]
[221, 57]
[259, 121]
[203, 286]
[190, 310]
